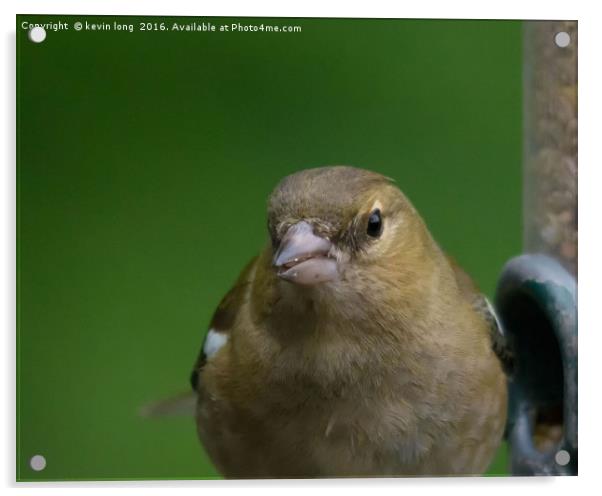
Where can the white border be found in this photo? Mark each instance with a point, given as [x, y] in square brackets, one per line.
[510, 9]
[590, 161]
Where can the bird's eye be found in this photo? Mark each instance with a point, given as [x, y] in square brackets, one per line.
[375, 224]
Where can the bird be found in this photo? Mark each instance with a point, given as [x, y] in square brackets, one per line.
[351, 345]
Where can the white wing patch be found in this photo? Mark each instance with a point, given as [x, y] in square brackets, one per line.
[494, 314]
[213, 342]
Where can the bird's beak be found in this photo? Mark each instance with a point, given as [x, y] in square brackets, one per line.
[303, 258]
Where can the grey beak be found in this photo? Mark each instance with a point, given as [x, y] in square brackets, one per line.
[302, 257]
[299, 243]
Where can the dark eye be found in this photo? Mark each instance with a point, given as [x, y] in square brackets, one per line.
[375, 224]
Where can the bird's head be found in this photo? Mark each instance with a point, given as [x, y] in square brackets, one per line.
[334, 224]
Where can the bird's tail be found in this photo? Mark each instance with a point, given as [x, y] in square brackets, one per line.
[182, 404]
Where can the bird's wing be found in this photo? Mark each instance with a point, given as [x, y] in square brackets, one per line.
[222, 321]
[483, 307]
[218, 334]
[499, 342]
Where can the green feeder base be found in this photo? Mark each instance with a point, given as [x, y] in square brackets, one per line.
[536, 301]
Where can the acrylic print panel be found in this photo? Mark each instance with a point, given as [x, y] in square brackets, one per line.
[148, 148]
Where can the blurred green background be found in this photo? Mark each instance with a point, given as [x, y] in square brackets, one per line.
[144, 164]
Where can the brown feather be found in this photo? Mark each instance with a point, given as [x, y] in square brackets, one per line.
[387, 372]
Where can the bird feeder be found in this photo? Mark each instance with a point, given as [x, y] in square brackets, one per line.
[537, 293]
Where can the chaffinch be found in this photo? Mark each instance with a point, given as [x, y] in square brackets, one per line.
[351, 345]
